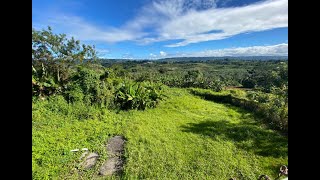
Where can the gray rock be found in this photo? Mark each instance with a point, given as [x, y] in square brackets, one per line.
[114, 164]
[115, 146]
[109, 167]
[90, 161]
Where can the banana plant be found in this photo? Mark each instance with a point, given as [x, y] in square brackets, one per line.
[138, 95]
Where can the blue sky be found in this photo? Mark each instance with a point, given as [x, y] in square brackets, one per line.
[152, 29]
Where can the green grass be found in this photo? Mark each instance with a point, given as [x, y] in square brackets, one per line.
[185, 137]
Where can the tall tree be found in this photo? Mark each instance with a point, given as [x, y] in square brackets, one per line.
[54, 56]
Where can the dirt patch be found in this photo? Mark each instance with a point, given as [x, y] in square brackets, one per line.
[115, 149]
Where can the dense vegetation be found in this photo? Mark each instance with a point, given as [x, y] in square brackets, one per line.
[61, 66]
[265, 83]
[214, 74]
[272, 108]
[174, 115]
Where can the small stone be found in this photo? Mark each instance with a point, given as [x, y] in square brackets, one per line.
[110, 167]
[90, 160]
[115, 146]
[114, 164]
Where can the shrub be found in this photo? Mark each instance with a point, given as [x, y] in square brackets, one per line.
[88, 88]
[193, 79]
[272, 107]
[138, 95]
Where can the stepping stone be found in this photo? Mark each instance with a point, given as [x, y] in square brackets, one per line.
[111, 166]
[114, 164]
[115, 146]
[90, 161]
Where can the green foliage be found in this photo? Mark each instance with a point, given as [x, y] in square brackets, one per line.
[75, 93]
[106, 90]
[43, 84]
[238, 93]
[193, 76]
[87, 87]
[266, 79]
[214, 74]
[138, 95]
[272, 107]
[53, 60]
[145, 77]
[193, 79]
[50, 47]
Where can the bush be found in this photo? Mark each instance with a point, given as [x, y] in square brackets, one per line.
[138, 95]
[57, 104]
[273, 108]
[193, 79]
[88, 88]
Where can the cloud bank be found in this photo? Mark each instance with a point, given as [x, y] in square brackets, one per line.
[189, 21]
[271, 50]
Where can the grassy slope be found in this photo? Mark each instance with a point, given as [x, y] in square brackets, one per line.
[185, 137]
[58, 128]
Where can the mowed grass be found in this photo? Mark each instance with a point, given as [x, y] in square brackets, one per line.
[185, 137]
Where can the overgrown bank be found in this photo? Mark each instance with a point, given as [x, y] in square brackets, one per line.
[268, 107]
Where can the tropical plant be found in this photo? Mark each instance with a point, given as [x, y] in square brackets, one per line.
[138, 95]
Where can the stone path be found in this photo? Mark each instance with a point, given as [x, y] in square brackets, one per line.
[114, 163]
[115, 149]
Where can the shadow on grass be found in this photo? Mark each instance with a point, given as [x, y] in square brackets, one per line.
[246, 135]
[272, 120]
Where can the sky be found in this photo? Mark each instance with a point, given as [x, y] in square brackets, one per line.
[154, 29]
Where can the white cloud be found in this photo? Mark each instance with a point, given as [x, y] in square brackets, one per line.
[190, 21]
[162, 53]
[128, 56]
[272, 50]
[83, 30]
[193, 26]
[152, 56]
[193, 21]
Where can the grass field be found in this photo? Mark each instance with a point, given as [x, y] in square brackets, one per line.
[185, 137]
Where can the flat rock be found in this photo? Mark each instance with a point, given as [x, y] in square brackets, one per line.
[90, 161]
[111, 166]
[115, 146]
[114, 164]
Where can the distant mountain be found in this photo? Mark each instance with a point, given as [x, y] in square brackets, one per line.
[108, 62]
[187, 59]
[262, 58]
